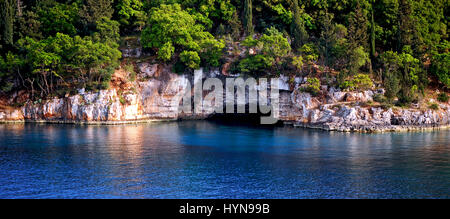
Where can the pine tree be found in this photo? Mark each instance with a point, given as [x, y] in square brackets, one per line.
[248, 17]
[300, 34]
[405, 25]
[327, 37]
[357, 28]
[236, 26]
[7, 12]
[372, 33]
[357, 39]
[93, 10]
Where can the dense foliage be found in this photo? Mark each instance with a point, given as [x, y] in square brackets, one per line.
[53, 45]
[171, 27]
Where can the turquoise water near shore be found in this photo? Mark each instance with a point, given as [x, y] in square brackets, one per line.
[201, 159]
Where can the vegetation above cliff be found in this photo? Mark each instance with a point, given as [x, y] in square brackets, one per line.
[53, 47]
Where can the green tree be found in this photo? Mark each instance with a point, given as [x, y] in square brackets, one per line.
[166, 52]
[92, 11]
[310, 55]
[107, 31]
[440, 63]
[372, 32]
[58, 18]
[361, 82]
[236, 26]
[391, 79]
[357, 58]
[274, 48]
[190, 59]
[94, 61]
[169, 23]
[430, 25]
[43, 59]
[327, 38]
[332, 43]
[299, 32]
[9, 70]
[386, 23]
[255, 64]
[7, 18]
[358, 27]
[131, 14]
[407, 70]
[274, 44]
[65, 58]
[210, 12]
[297, 62]
[29, 25]
[405, 24]
[211, 50]
[313, 86]
[410, 78]
[357, 39]
[392, 85]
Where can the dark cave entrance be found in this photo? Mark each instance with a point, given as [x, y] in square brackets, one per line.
[242, 119]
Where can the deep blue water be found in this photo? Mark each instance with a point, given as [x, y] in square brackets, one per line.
[208, 160]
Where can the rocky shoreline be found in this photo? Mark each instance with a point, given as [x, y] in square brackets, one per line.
[375, 129]
[148, 100]
[318, 126]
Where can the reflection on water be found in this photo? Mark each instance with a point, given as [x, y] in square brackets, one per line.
[209, 160]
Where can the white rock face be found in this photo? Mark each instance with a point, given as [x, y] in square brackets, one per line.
[11, 115]
[147, 70]
[283, 83]
[336, 115]
[159, 98]
[131, 52]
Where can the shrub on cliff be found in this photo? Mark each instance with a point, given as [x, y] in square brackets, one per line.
[190, 59]
[310, 54]
[274, 44]
[434, 106]
[166, 51]
[297, 62]
[443, 97]
[312, 86]
[256, 64]
[358, 82]
[273, 47]
[380, 98]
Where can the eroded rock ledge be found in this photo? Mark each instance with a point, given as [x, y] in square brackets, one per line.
[338, 114]
[150, 100]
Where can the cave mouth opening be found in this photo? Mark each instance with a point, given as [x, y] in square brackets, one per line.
[242, 119]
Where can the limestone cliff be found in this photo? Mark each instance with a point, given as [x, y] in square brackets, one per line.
[149, 99]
